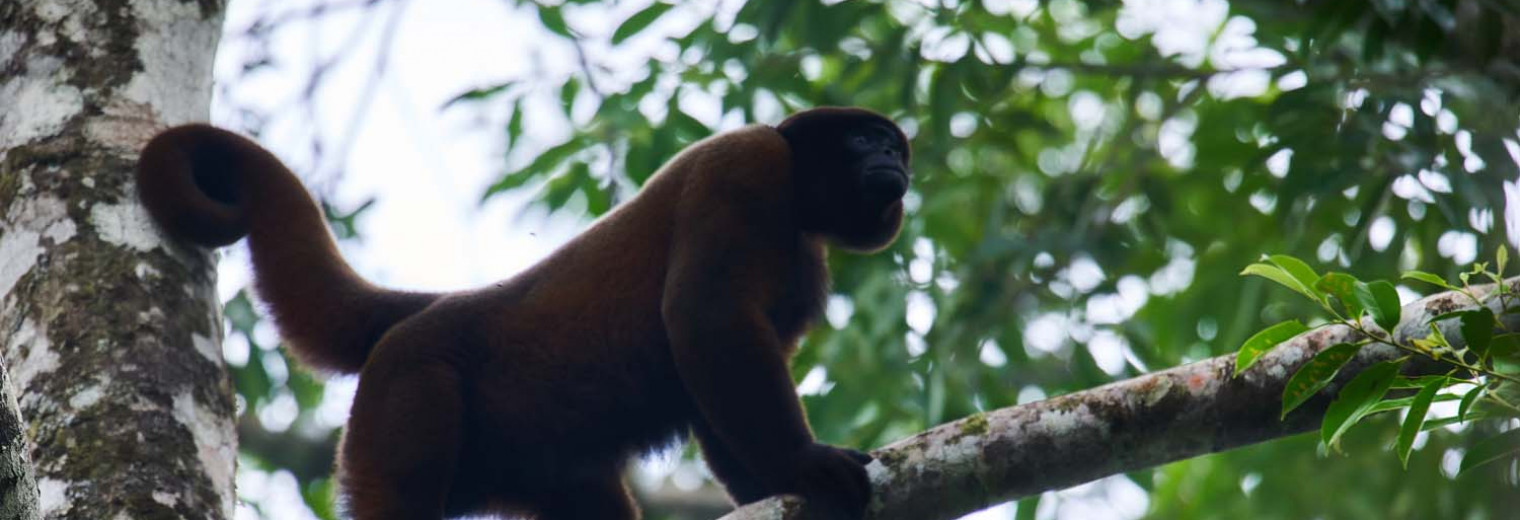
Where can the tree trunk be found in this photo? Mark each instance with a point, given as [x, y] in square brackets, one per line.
[110, 335]
[1175, 414]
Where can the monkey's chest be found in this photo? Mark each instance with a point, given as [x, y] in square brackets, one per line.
[801, 299]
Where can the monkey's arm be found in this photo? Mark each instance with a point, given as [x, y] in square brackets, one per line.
[737, 479]
[728, 355]
[734, 367]
[734, 241]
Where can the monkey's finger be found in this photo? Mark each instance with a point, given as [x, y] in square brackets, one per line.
[860, 457]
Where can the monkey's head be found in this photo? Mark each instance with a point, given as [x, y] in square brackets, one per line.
[851, 172]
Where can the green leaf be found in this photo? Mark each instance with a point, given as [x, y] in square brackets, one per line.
[1416, 419]
[1382, 300]
[1468, 400]
[567, 93]
[1501, 259]
[1447, 315]
[554, 20]
[639, 21]
[1478, 330]
[1277, 274]
[479, 94]
[1388, 405]
[1356, 399]
[1264, 341]
[1492, 449]
[515, 125]
[542, 165]
[1315, 374]
[1298, 269]
[1343, 287]
[1427, 278]
[1504, 345]
[1442, 422]
[1408, 383]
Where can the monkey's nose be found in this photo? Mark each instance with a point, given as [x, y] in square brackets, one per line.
[884, 184]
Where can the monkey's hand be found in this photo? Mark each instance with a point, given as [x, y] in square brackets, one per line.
[833, 480]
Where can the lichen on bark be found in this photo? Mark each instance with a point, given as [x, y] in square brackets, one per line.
[105, 329]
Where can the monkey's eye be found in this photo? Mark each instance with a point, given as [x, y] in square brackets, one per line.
[859, 141]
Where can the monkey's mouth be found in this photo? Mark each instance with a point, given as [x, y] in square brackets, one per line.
[884, 185]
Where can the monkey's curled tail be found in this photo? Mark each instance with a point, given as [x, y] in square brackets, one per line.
[212, 187]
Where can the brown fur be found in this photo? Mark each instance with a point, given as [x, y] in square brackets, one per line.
[676, 312]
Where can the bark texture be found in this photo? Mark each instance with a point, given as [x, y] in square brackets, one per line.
[109, 335]
[1184, 412]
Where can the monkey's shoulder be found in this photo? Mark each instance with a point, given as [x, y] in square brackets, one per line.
[754, 159]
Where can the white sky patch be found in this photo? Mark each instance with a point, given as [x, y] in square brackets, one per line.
[1278, 163]
[1292, 81]
[816, 382]
[1112, 498]
[1481, 219]
[1174, 141]
[1087, 110]
[1107, 349]
[1030, 394]
[1512, 212]
[1401, 114]
[337, 399]
[1238, 84]
[54, 499]
[1446, 121]
[1380, 233]
[838, 310]
[1435, 181]
[1180, 28]
[1175, 276]
[1430, 102]
[1406, 295]
[1461, 247]
[915, 344]
[920, 311]
[1046, 334]
[991, 354]
[1410, 188]
[235, 350]
[1084, 274]
[125, 225]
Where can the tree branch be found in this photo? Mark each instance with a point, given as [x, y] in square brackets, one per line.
[1184, 412]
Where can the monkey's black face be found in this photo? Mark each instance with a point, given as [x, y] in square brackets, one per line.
[866, 187]
[852, 172]
[878, 153]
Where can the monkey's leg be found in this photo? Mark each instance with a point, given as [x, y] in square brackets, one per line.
[402, 443]
[602, 497]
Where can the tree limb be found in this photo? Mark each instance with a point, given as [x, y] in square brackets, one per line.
[1184, 412]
